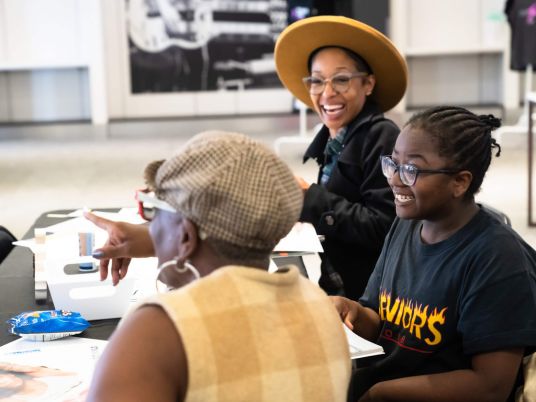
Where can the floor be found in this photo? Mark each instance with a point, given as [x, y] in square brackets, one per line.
[49, 167]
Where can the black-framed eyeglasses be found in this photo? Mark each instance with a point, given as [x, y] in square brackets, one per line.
[339, 82]
[408, 173]
[147, 203]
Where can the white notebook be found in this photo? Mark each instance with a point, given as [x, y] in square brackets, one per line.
[360, 347]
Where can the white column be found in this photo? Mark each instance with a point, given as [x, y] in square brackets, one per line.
[397, 30]
[91, 16]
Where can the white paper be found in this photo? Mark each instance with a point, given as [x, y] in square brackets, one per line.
[62, 238]
[70, 353]
[72, 214]
[81, 224]
[312, 263]
[76, 357]
[360, 347]
[272, 267]
[301, 238]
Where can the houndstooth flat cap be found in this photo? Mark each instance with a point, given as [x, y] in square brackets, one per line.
[232, 187]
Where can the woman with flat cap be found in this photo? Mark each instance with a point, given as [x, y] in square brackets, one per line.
[228, 330]
[349, 73]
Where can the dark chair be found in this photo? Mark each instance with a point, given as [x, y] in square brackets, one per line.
[6, 242]
[501, 216]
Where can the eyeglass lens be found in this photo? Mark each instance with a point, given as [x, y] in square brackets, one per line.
[408, 173]
[339, 83]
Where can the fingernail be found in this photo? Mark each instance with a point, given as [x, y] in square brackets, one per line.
[97, 254]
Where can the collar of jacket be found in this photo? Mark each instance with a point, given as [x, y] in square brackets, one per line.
[317, 146]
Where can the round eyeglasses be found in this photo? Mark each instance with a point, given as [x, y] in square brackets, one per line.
[340, 82]
[408, 173]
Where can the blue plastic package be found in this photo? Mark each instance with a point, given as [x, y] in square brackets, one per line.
[47, 325]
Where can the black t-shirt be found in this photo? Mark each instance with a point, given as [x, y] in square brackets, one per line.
[521, 15]
[441, 303]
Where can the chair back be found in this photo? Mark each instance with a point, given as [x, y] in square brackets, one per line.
[6, 242]
[501, 216]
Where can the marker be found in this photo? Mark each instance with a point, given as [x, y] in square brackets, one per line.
[86, 242]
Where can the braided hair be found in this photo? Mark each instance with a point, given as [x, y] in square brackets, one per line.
[463, 137]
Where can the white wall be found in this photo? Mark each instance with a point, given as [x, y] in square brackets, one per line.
[68, 59]
[49, 59]
[454, 56]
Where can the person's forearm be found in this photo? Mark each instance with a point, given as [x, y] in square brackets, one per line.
[453, 386]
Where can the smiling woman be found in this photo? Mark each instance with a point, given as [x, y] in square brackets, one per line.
[452, 299]
[350, 74]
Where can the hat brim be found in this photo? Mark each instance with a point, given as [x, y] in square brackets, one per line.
[296, 43]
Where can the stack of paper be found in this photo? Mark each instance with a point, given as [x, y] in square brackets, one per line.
[360, 347]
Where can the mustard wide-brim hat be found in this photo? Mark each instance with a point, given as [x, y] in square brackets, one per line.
[296, 43]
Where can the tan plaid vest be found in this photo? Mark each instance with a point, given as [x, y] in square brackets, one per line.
[254, 336]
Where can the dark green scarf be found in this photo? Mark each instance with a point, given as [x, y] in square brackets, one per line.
[333, 149]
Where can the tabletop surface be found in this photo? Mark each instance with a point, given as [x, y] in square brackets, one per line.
[17, 287]
[17, 283]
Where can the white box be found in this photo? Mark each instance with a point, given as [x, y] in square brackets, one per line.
[92, 298]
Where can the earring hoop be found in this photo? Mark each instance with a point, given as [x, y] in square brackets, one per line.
[177, 267]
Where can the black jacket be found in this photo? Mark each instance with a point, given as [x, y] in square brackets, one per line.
[355, 209]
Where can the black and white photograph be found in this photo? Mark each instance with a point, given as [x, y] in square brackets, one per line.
[203, 45]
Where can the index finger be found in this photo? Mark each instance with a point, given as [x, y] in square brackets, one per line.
[97, 220]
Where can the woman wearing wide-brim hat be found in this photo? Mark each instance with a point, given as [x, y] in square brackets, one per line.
[349, 73]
